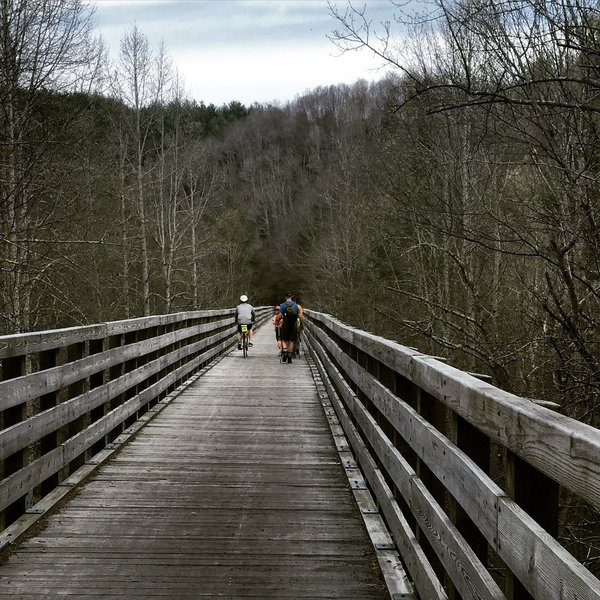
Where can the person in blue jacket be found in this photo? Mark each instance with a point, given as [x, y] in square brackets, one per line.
[290, 311]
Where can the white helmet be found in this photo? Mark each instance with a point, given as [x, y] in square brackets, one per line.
[243, 298]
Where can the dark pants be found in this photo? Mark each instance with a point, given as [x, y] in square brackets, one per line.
[289, 331]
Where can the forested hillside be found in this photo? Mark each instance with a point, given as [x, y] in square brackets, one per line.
[452, 206]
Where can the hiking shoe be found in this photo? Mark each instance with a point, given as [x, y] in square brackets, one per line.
[284, 358]
[250, 344]
[239, 346]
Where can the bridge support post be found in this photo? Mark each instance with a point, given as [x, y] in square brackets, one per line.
[47, 360]
[12, 367]
[98, 380]
[76, 352]
[538, 495]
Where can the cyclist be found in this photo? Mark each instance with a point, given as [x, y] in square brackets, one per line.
[289, 310]
[244, 315]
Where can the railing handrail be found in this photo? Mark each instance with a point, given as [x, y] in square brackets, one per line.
[424, 433]
[39, 341]
[565, 438]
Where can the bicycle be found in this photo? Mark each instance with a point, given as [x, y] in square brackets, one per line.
[244, 329]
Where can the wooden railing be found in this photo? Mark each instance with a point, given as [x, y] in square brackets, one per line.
[67, 395]
[466, 476]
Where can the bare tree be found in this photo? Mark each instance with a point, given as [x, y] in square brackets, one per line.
[525, 72]
[201, 186]
[168, 173]
[138, 82]
[45, 46]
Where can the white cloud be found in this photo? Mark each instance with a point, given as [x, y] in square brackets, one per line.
[260, 75]
[246, 50]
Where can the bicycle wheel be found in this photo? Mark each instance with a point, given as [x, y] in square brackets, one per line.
[245, 344]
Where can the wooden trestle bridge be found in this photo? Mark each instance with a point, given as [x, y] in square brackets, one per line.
[148, 458]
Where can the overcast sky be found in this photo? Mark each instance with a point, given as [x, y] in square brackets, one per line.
[247, 50]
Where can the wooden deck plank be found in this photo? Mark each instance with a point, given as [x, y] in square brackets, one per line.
[235, 490]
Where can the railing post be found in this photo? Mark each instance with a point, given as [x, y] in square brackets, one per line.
[12, 367]
[390, 379]
[76, 352]
[536, 494]
[170, 328]
[154, 332]
[131, 337]
[98, 380]
[476, 446]
[116, 341]
[47, 360]
[434, 412]
[539, 496]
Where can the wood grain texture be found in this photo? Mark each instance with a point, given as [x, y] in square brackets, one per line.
[393, 355]
[235, 490]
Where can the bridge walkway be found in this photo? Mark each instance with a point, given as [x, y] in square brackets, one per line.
[234, 490]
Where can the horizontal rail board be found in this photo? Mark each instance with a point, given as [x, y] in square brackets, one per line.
[14, 486]
[562, 448]
[30, 343]
[471, 487]
[469, 575]
[422, 573]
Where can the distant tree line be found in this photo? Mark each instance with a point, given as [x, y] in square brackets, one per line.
[453, 206]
